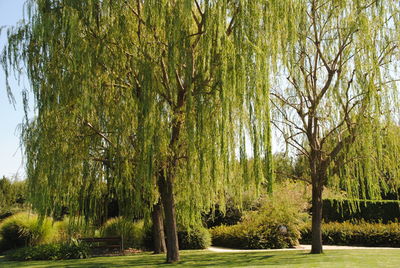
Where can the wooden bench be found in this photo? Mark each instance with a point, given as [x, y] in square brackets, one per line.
[105, 243]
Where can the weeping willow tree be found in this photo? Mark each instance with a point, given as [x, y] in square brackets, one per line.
[154, 101]
[339, 96]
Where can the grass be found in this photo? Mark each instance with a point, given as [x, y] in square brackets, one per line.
[204, 258]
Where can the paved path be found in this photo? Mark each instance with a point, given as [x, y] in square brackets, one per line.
[300, 247]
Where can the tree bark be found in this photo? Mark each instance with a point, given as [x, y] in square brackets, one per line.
[316, 241]
[166, 188]
[158, 228]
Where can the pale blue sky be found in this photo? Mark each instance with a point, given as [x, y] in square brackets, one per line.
[10, 117]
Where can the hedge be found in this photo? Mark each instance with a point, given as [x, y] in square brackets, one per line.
[197, 238]
[243, 236]
[360, 234]
[335, 210]
[50, 252]
[194, 238]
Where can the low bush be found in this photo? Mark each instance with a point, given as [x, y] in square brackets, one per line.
[367, 210]
[360, 234]
[276, 223]
[233, 236]
[24, 229]
[132, 232]
[196, 238]
[267, 235]
[72, 228]
[51, 252]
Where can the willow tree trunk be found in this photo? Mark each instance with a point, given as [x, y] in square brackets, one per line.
[166, 188]
[316, 232]
[158, 228]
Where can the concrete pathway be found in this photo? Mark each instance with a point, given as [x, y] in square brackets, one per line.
[300, 247]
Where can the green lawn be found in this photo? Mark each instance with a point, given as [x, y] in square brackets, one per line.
[191, 258]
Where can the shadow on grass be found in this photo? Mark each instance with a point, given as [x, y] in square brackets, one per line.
[211, 259]
[188, 259]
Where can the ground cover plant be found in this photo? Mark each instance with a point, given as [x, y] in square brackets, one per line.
[294, 259]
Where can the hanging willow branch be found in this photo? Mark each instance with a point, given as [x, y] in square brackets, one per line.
[187, 79]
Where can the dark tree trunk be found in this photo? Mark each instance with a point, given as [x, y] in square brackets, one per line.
[158, 229]
[166, 188]
[316, 241]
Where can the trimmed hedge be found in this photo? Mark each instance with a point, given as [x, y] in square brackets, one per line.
[335, 210]
[197, 238]
[51, 252]
[361, 234]
[243, 236]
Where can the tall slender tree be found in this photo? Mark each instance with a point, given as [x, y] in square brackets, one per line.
[156, 98]
[339, 92]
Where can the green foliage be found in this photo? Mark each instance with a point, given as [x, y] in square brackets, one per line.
[283, 167]
[51, 252]
[275, 224]
[205, 258]
[359, 234]
[24, 229]
[188, 238]
[266, 236]
[196, 238]
[110, 108]
[72, 228]
[12, 197]
[341, 210]
[131, 232]
[234, 236]
[230, 216]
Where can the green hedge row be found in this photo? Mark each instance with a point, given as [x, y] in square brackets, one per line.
[50, 252]
[244, 236]
[372, 211]
[360, 234]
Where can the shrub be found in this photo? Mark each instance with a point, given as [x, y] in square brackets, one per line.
[373, 211]
[73, 228]
[132, 232]
[259, 236]
[275, 224]
[51, 252]
[25, 229]
[231, 216]
[233, 236]
[196, 238]
[360, 234]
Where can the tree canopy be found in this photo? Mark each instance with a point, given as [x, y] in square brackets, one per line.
[339, 96]
[141, 97]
